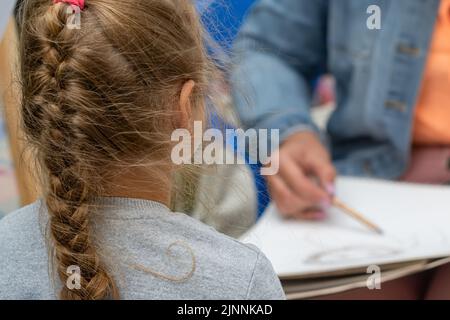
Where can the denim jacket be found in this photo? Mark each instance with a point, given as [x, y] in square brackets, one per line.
[285, 44]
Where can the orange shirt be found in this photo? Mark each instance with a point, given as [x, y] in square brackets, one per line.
[432, 118]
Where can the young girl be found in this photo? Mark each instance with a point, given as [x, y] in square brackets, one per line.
[101, 96]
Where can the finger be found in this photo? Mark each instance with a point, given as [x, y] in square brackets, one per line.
[300, 184]
[324, 170]
[292, 207]
[286, 201]
[311, 215]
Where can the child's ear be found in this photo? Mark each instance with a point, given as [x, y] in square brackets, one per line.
[185, 120]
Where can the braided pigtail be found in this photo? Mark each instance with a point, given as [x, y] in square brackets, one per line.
[53, 121]
[101, 101]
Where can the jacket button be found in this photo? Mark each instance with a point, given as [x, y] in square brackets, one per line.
[408, 50]
[396, 105]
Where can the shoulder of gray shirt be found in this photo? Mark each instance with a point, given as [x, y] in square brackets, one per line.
[24, 261]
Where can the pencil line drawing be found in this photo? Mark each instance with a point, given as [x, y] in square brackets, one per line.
[352, 253]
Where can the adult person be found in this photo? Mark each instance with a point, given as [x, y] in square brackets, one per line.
[392, 86]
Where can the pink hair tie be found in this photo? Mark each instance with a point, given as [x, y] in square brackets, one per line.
[77, 3]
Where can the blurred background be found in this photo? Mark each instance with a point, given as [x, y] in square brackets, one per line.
[222, 19]
[9, 196]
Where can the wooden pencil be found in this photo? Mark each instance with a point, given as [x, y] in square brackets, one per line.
[356, 215]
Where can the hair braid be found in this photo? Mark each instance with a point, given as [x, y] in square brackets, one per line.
[52, 120]
[100, 101]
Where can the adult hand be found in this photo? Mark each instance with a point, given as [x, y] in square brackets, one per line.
[304, 184]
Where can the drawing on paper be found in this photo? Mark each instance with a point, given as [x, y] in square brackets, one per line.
[352, 254]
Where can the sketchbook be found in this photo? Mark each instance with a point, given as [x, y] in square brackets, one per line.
[312, 288]
[415, 220]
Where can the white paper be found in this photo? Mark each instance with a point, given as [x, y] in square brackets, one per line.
[415, 220]
[6, 9]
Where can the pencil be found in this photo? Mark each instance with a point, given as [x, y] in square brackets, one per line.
[356, 215]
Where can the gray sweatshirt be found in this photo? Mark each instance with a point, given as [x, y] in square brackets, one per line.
[151, 252]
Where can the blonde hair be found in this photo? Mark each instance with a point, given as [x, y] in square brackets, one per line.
[98, 98]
